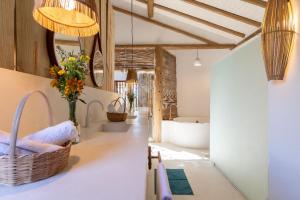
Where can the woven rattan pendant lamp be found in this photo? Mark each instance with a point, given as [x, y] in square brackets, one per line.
[69, 17]
[278, 35]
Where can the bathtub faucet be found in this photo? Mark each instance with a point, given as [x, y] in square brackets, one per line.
[170, 110]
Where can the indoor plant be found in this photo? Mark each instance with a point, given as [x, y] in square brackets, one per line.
[130, 97]
[69, 79]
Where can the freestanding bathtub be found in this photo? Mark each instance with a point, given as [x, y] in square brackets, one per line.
[190, 132]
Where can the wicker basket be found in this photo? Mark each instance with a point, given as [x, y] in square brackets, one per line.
[17, 170]
[117, 117]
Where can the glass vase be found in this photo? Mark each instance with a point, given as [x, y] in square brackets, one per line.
[72, 112]
[72, 117]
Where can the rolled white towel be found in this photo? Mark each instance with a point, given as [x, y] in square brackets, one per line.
[121, 108]
[4, 145]
[163, 188]
[58, 135]
[4, 150]
[36, 146]
[111, 108]
[4, 136]
[25, 146]
[28, 147]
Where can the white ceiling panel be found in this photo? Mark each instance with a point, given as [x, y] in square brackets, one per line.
[146, 32]
[196, 30]
[208, 15]
[238, 7]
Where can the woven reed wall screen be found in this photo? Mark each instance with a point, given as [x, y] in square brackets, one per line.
[142, 58]
[168, 86]
[165, 95]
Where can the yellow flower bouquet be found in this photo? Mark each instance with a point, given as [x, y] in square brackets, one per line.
[69, 78]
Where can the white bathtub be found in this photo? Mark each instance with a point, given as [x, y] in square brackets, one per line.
[190, 132]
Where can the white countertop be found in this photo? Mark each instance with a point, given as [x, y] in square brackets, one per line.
[104, 166]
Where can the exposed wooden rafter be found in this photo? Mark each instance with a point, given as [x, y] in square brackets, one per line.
[248, 38]
[178, 46]
[260, 3]
[198, 20]
[197, 37]
[224, 12]
[150, 7]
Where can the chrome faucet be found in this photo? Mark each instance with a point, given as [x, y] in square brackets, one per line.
[88, 110]
[170, 110]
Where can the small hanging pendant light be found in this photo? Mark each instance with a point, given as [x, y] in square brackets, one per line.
[69, 17]
[197, 62]
[278, 36]
[132, 74]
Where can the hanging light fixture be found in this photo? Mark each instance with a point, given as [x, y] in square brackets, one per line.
[132, 74]
[69, 17]
[197, 62]
[278, 36]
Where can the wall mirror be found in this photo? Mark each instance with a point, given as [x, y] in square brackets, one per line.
[76, 45]
[68, 43]
[96, 63]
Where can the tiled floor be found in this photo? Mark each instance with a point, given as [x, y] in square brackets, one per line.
[206, 181]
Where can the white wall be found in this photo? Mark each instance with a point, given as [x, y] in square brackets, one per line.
[239, 120]
[193, 84]
[284, 129]
[14, 85]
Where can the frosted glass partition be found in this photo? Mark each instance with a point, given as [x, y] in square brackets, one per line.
[239, 145]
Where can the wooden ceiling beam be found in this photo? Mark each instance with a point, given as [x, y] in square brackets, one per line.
[158, 23]
[248, 38]
[150, 7]
[259, 3]
[198, 20]
[178, 46]
[224, 12]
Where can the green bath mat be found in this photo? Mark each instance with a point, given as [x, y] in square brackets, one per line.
[176, 174]
[180, 187]
[178, 181]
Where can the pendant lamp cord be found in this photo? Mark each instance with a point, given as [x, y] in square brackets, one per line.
[131, 33]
